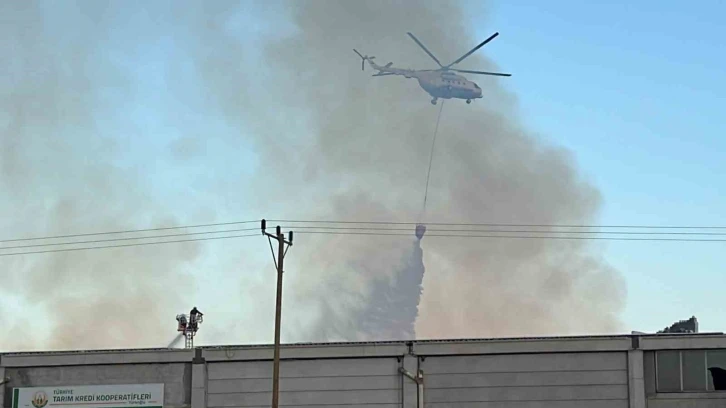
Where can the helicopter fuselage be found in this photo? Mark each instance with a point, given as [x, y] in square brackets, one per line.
[448, 86]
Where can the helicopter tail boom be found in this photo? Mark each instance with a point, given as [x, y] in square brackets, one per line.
[384, 70]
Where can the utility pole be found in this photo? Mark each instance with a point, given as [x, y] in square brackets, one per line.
[279, 260]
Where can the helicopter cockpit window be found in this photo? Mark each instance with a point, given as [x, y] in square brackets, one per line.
[476, 86]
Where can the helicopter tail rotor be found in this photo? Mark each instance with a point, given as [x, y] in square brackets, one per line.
[363, 59]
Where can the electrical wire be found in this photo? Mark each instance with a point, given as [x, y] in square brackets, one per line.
[519, 237]
[126, 245]
[506, 231]
[97, 241]
[385, 228]
[378, 223]
[459, 224]
[127, 231]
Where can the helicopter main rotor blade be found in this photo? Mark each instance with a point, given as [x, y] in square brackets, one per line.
[420, 44]
[473, 50]
[466, 71]
[363, 60]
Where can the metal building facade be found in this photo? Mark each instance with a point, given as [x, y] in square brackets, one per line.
[559, 372]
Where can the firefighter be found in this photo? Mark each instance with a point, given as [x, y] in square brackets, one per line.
[193, 318]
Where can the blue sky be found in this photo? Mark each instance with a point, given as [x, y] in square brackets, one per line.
[636, 91]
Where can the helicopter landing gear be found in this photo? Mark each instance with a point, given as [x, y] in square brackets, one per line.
[468, 101]
[433, 101]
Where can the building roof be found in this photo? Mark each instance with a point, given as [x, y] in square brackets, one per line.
[430, 347]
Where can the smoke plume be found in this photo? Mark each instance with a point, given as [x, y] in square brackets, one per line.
[328, 142]
[392, 309]
[342, 145]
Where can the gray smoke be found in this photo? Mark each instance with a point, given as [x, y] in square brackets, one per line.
[388, 308]
[332, 143]
[60, 174]
[392, 309]
[342, 145]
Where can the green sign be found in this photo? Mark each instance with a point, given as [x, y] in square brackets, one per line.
[90, 396]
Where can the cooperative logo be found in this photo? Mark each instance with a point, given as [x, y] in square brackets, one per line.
[39, 399]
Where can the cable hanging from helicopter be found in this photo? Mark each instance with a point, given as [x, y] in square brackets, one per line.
[420, 227]
[440, 83]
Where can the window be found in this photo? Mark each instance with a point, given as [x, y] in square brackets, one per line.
[691, 370]
[669, 371]
[716, 366]
[694, 370]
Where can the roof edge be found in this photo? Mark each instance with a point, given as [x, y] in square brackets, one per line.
[418, 344]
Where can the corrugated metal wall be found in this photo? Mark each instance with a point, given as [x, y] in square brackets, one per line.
[564, 380]
[346, 383]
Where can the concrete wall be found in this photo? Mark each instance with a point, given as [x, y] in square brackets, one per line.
[2, 380]
[175, 377]
[172, 368]
[610, 371]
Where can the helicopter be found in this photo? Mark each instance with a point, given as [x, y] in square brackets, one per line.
[441, 82]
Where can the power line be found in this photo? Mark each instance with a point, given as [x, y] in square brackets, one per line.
[127, 231]
[501, 224]
[379, 223]
[382, 228]
[128, 245]
[377, 231]
[508, 231]
[97, 241]
[519, 237]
